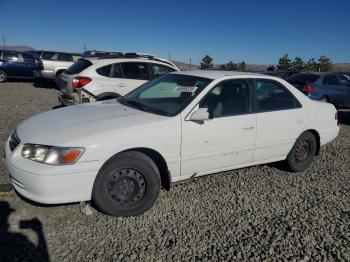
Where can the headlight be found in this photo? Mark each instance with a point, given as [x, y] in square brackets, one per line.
[52, 155]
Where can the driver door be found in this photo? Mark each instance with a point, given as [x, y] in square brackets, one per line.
[225, 141]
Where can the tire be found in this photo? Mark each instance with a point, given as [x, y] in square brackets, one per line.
[324, 99]
[127, 185]
[302, 153]
[3, 76]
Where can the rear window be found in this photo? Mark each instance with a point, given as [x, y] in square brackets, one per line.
[78, 67]
[303, 78]
[65, 57]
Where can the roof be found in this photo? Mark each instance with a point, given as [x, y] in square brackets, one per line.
[213, 74]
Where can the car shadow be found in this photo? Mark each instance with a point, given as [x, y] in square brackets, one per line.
[58, 106]
[47, 84]
[15, 246]
[344, 117]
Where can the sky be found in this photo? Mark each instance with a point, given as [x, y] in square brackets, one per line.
[256, 31]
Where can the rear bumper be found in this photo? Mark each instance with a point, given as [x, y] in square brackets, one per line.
[329, 135]
[67, 99]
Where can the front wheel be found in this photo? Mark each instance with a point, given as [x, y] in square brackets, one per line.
[3, 76]
[302, 153]
[127, 185]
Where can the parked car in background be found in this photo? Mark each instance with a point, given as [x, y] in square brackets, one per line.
[118, 153]
[15, 64]
[280, 74]
[110, 76]
[55, 63]
[43, 54]
[324, 86]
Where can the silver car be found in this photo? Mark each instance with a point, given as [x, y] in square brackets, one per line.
[55, 63]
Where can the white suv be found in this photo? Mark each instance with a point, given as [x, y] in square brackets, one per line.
[181, 125]
[110, 76]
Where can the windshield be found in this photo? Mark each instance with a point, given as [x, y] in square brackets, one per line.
[167, 95]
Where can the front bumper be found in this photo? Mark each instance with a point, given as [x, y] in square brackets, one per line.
[50, 184]
[43, 74]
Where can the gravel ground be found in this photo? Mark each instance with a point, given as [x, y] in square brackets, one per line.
[258, 213]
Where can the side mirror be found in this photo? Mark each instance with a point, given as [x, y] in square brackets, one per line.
[201, 114]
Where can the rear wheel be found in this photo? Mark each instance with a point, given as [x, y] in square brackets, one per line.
[3, 76]
[302, 153]
[127, 185]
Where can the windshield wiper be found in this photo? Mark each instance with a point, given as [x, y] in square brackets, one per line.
[132, 103]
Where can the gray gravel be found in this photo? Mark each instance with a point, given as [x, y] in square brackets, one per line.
[258, 213]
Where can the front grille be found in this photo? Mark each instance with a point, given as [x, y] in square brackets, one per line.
[14, 140]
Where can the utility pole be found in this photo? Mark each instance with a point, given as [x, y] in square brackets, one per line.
[3, 40]
[169, 55]
[84, 48]
[190, 64]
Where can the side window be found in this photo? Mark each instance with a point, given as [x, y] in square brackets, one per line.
[344, 80]
[331, 80]
[272, 96]
[228, 98]
[76, 57]
[159, 70]
[135, 71]
[27, 58]
[65, 57]
[104, 70]
[116, 71]
[48, 55]
[10, 55]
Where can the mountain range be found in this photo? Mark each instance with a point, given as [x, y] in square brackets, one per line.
[340, 67]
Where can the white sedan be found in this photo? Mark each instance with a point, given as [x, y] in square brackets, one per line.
[119, 153]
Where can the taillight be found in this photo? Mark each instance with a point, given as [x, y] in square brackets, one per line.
[336, 116]
[308, 89]
[80, 81]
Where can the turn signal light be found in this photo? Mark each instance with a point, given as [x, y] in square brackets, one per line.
[308, 89]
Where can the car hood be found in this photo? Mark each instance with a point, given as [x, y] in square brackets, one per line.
[65, 125]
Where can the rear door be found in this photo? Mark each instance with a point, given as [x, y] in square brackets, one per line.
[134, 75]
[280, 120]
[30, 65]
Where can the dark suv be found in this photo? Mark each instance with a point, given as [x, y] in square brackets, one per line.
[15, 64]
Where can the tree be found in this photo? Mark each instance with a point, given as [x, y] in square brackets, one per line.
[298, 64]
[284, 63]
[242, 66]
[207, 62]
[223, 66]
[311, 65]
[231, 66]
[325, 63]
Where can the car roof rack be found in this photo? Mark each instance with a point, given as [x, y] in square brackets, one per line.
[136, 55]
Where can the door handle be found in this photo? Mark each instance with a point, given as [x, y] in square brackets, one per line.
[299, 121]
[248, 127]
[121, 84]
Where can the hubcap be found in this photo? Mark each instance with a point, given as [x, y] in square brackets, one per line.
[302, 151]
[126, 187]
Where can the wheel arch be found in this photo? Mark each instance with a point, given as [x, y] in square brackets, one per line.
[107, 94]
[318, 139]
[158, 160]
